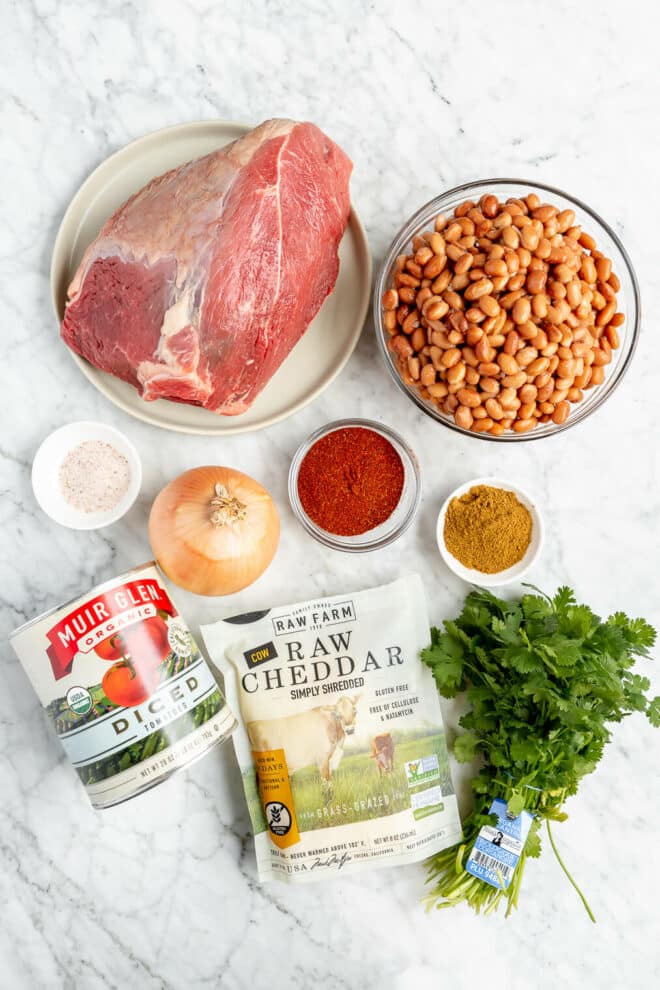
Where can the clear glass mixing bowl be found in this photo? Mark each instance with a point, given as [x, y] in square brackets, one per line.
[606, 241]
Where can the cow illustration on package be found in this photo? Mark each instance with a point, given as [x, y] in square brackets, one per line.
[315, 737]
[382, 751]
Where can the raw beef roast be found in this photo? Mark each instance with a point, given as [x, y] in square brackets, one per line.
[199, 286]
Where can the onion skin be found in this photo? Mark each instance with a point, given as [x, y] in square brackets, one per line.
[208, 558]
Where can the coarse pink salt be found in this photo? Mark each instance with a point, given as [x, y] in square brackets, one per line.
[94, 476]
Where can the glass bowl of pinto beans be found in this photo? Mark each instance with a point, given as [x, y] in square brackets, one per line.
[355, 485]
[507, 310]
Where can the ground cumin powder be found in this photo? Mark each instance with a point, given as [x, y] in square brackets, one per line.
[487, 529]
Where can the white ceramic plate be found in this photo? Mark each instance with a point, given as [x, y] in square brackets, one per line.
[514, 573]
[313, 363]
[46, 466]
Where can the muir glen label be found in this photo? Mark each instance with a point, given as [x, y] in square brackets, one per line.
[129, 694]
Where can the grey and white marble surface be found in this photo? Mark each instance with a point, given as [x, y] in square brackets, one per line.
[162, 892]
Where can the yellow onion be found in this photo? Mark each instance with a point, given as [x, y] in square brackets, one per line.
[213, 530]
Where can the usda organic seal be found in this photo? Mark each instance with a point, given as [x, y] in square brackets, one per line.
[79, 700]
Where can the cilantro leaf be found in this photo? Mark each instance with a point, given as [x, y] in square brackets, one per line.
[642, 634]
[653, 712]
[506, 630]
[465, 747]
[521, 659]
[533, 844]
[563, 598]
[567, 652]
[637, 633]
[536, 607]
[523, 749]
[445, 658]
[578, 621]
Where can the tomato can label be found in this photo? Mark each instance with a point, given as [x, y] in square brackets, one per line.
[121, 678]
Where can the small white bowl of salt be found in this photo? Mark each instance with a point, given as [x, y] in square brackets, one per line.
[86, 475]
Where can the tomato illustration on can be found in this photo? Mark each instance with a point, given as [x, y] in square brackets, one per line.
[146, 642]
[127, 685]
[139, 651]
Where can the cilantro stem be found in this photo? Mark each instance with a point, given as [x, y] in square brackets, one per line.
[570, 878]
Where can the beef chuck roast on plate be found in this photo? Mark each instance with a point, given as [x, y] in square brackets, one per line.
[200, 285]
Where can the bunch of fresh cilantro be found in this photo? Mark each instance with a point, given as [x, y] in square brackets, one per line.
[545, 677]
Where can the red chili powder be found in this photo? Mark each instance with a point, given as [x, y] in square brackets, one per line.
[350, 481]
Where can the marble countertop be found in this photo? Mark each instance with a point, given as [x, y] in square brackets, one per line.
[161, 892]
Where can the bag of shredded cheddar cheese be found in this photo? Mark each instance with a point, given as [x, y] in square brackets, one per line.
[341, 743]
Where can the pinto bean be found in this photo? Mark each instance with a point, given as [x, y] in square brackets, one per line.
[515, 381]
[508, 364]
[463, 417]
[456, 373]
[402, 346]
[523, 425]
[489, 385]
[526, 355]
[469, 397]
[561, 412]
[494, 409]
[483, 425]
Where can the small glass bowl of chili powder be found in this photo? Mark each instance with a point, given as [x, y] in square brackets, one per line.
[355, 485]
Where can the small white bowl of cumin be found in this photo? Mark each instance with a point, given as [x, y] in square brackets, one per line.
[503, 533]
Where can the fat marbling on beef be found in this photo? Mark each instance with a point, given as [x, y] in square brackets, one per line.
[199, 286]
